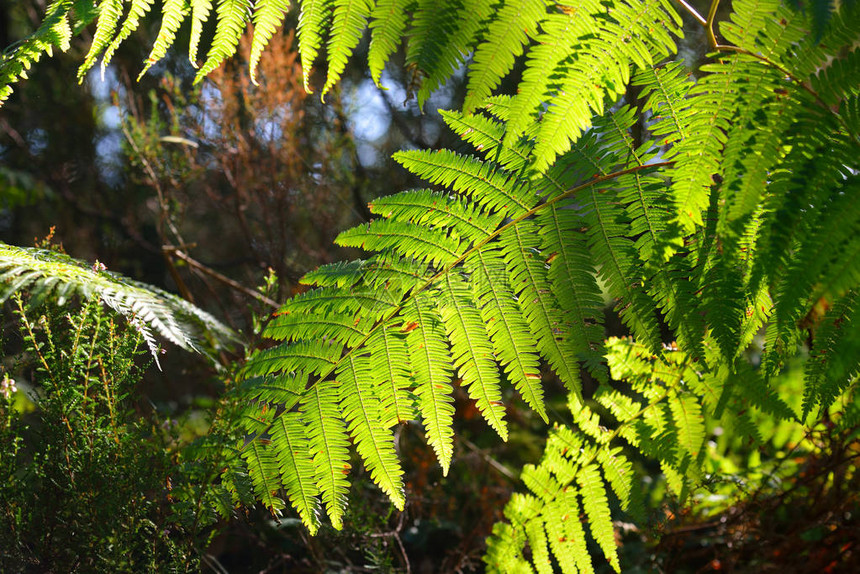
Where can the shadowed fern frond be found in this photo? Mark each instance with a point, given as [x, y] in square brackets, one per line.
[46, 274]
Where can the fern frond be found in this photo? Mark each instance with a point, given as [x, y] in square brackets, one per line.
[200, 10]
[409, 240]
[329, 445]
[691, 427]
[263, 471]
[339, 327]
[429, 356]
[48, 274]
[313, 17]
[440, 38]
[438, 210]
[616, 255]
[388, 22]
[389, 360]
[173, 14]
[835, 357]
[268, 16]
[492, 188]
[555, 43]
[233, 16]
[596, 507]
[486, 135]
[347, 27]
[473, 352]
[513, 342]
[110, 12]
[504, 41]
[312, 357]
[136, 11]
[362, 411]
[528, 276]
[567, 538]
[296, 467]
[572, 280]
[54, 32]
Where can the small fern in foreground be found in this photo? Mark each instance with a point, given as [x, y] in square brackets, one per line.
[45, 274]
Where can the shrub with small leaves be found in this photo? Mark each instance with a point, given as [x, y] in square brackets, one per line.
[83, 477]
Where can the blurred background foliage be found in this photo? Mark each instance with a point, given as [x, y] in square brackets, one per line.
[227, 193]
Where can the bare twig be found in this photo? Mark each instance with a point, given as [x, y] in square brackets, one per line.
[709, 25]
[218, 276]
[693, 12]
[493, 462]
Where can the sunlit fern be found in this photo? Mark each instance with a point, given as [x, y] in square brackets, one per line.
[735, 212]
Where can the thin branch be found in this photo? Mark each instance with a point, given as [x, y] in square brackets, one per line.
[712, 15]
[222, 278]
[493, 462]
[693, 12]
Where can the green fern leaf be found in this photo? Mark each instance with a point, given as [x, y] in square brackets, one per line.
[835, 357]
[473, 352]
[173, 14]
[618, 471]
[200, 10]
[438, 210]
[329, 446]
[503, 42]
[296, 467]
[389, 359]
[110, 11]
[312, 357]
[138, 10]
[54, 32]
[350, 19]
[263, 471]
[486, 136]
[440, 38]
[386, 32]
[493, 189]
[528, 276]
[616, 255]
[268, 16]
[537, 538]
[233, 15]
[409, 240]
[339, 327]
[362, 411]
[512, 340]
[312, 18]
[503, 553]
[429, 356]
[572, 280]
[691, 427]
[567, 538]
[555, 44]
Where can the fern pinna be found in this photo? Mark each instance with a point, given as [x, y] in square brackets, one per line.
[717, 204]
